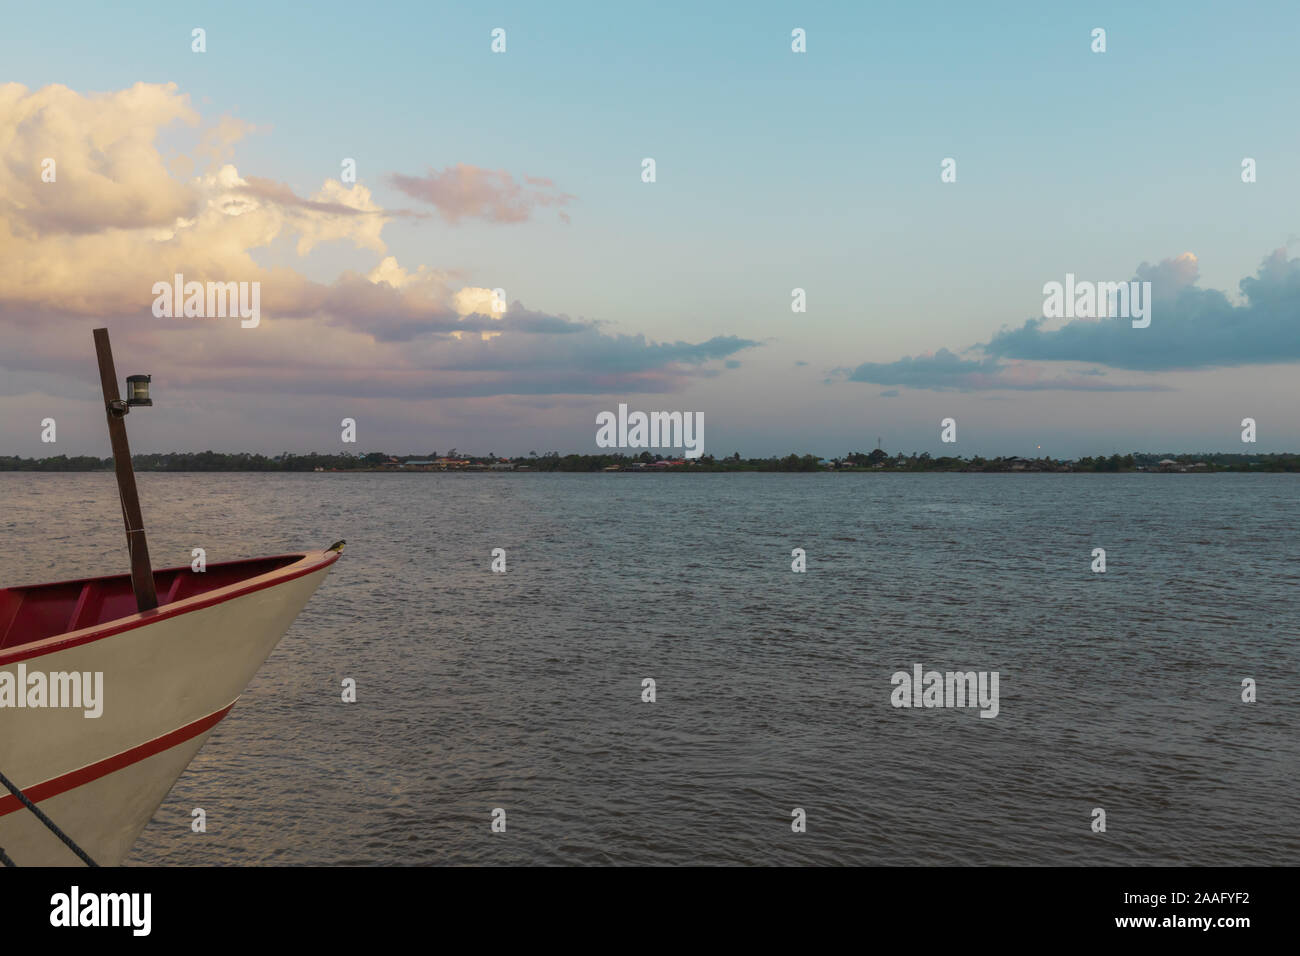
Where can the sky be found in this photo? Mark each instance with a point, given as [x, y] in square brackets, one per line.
[774, 170]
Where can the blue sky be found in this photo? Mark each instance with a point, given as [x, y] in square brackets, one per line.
[775, 170]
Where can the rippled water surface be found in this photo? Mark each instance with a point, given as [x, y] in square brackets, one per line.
[523, 691]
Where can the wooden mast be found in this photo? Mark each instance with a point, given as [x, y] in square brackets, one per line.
[146, 595]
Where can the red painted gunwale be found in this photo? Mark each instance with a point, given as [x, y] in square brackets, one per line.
[305, 563]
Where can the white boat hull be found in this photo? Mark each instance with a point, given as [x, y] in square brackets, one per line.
[166, 684]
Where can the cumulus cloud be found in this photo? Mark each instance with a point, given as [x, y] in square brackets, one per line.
[1191, 328]
[218, 143]
[468, 192]
[108, 173]
[108, 268]
[1170, 277]
[89, 247]
[334, 212]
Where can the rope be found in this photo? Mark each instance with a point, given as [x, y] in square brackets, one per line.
[4, 858]
[53, 827]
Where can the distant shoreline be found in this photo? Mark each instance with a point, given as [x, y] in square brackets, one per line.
[877, 461]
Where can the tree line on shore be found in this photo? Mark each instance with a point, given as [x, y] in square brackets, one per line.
[877, 460]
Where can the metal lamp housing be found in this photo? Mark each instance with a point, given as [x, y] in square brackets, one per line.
[137, 390]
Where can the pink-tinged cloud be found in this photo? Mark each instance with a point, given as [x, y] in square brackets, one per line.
[468, 192]
[88, 247]
[280, 194]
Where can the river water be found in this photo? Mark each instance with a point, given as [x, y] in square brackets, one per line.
[523, 691]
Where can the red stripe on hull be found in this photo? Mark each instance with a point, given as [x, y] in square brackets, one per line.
[102, 768]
